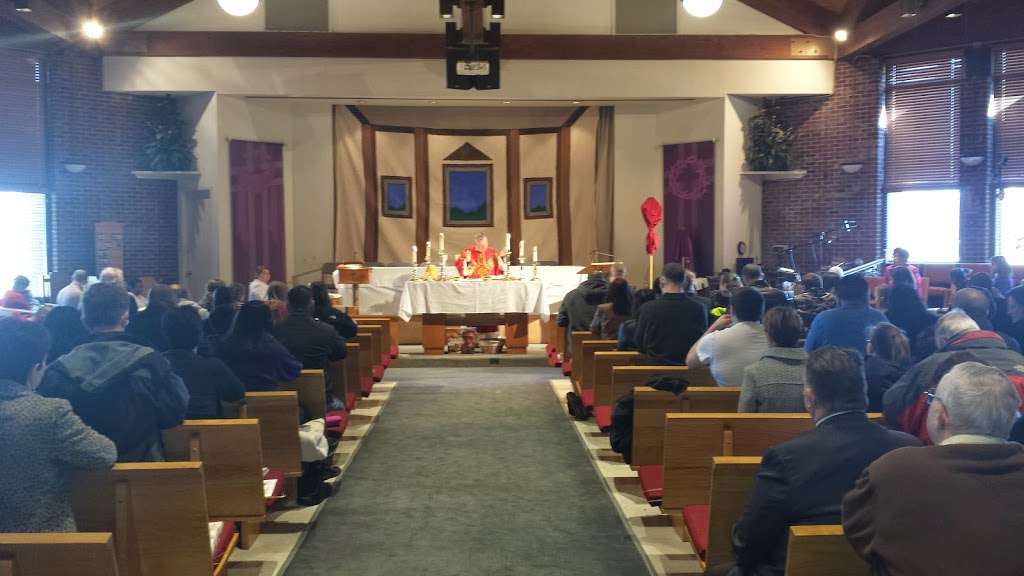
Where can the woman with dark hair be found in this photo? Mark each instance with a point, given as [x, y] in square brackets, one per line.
[221, 314]
[64, 324]
[259, 361]
[211, 287]
[889, 357]
[238, 293]
[627, 330]
[324, 312]
[277, 299]
[775, 383]
[906, 311]
[1002, 275]
[613, 312]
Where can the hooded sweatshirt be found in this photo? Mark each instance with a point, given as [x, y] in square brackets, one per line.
[121, 389]
[579, 305]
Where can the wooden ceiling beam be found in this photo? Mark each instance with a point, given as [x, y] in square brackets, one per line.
[804, 15]
[851, 14]
[130, 13]
[888, 23]
[432, 46]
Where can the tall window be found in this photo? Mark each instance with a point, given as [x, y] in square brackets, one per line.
[1008, 111]
[23, 236]
[921, 120]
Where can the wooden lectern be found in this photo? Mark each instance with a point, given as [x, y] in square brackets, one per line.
[354, 273]
[598, 267]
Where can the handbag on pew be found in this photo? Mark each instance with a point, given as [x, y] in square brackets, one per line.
[576, 408]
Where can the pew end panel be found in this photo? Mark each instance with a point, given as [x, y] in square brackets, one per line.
[59, 554]
[232, 457]
[605, 361]
[732, 479]
[822, 551]
[583, 366]
[278, 417]
[651, 406]
[365, 341]
[311, 388]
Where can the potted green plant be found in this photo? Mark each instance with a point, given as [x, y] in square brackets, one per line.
[170, 146]
[769, 140]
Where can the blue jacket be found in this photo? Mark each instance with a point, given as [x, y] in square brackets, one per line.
[847, 326]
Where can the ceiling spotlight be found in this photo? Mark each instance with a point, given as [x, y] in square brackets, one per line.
[448, 9]
[22, 6]
[507, 102]
[497, 9]
[910, 8]
[93, 29]
[701, 8]
[842, 35]
[239, 7]
[575, 101]
[952, 15]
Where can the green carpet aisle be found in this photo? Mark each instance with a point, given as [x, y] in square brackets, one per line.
[470, 471]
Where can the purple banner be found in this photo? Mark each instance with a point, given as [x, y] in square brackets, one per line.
[689, 180]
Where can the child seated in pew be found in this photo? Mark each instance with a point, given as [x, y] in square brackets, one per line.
[253, 354]
[43, 440]
[209, 381]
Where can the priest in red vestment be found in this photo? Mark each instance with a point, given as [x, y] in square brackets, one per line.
[480, 260]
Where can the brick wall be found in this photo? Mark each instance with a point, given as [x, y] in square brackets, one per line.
[104, 131]
[831, 130]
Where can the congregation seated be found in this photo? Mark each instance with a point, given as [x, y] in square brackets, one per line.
[19, 296]
[949, 508]
[888, 359]
[325, 312]
[813, 298]
[753, 276]
[253, 354]
[905, 310]
[316, 344]
[671, 324]
[906, 404]
[979, 304]
[71, 295]
[803, 481]
[691, 291]
[775, 382]
[115, 276]
[1002, 275]
[728, 282]
[848, 324]
[222, 314]
[209, 381]
[610, 315]
[1015, 314]
[64, 324]
[44, 441]
[211, 286]
[901, 259]
[627, 330]
[184, 298]
[734, 341]
[580, 304]
[147, 324]
[259, 285]
[117, 385]
[277, 299]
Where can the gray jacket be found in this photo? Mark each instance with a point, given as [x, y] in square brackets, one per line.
[774, 383]
[44, 442]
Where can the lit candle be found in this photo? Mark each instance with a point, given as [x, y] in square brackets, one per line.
[522, 249]
[428, 251]
[508, 242]
[440, 245]
[415, 250]
[534, 254]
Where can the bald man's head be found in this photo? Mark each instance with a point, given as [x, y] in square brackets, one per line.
[974, 302]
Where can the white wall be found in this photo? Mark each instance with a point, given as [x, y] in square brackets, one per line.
[198, 251]
[206, 15]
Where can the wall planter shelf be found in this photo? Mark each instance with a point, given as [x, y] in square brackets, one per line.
[775, 176]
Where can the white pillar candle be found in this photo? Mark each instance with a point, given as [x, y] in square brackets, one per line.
[522, 249]
[508, 242]
[428, 252]
[415, 250]
[440, 244]
[534, 254]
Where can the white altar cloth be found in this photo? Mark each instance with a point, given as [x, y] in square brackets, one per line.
[473, 297]
[383, 296]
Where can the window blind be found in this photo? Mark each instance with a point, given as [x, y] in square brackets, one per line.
[1008, 108]
[922, 122]
[22, 144]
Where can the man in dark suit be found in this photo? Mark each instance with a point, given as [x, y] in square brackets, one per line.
[949, 508]
[803, 481]
[669, 326]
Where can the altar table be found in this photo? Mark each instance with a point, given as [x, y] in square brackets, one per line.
[474, 302]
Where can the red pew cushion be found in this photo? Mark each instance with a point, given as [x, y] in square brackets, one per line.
[220, 539]
[278, 476]
[567, 368]
[697, 518]
[587, 395]
[366, 385]
[652, 481]
[603, 417]
[378, 372]
[394, 350]
[385, 360]
[350, 400]
[337, 421]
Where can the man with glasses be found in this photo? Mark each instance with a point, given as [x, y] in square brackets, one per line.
[905, 404]
[949, 508]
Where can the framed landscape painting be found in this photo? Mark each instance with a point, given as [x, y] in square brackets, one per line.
[538, 198]
[468, 195]
[396, 196]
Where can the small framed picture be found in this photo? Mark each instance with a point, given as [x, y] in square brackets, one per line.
[538, 198]
[396, 196]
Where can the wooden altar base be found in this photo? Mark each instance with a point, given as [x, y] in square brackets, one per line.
[517, 335]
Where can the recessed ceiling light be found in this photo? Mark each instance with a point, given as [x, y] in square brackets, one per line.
[507, 102]
[575, 101]
[701, 8]
[433, 101]
[842, 35]
[93, 29]
[22, 6]
[239, 7]
[954, 15]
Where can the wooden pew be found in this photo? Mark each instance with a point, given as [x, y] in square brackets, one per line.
[626, 378]
[603, 399]
[732, 478]
[344, 377]
[693, 439]
[376, 333]
[231, 453]
[156, 512]
[58, 554]
[365, 341]
[822, 551]
[583, 367]
[389, 341]
[576, 338]
[555, 342]
[310, 387]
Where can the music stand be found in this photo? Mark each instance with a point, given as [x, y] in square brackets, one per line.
[355, 274]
